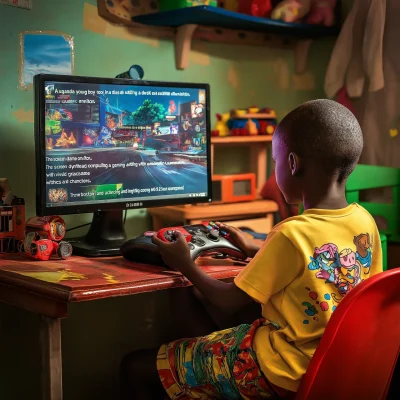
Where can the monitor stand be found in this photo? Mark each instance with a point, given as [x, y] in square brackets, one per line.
[105, 237]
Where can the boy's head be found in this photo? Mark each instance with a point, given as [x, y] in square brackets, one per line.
[317, 144]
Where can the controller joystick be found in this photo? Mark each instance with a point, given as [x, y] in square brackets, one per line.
[169, 234]
[202, 239]
[213, 235]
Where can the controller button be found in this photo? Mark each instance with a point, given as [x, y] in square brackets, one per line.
[191, 246]
[199, 242]
[213, 235]
[169, 232]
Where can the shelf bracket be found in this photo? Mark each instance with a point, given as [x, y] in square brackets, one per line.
[183, 44]
[301, 51]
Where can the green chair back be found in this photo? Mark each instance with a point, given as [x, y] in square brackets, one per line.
[367, 177]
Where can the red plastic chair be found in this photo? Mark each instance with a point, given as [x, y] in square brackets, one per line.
[359, 349]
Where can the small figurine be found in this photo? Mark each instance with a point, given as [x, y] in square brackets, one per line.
[251, 127]
[291, 10]
[43, 238]
[221, 125]
[322, 12]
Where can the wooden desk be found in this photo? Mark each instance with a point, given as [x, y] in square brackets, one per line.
[48, 287]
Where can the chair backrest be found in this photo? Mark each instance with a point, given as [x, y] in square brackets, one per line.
[359, 349]
[366, 177]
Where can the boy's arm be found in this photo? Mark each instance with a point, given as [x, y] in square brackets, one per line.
[226, 296]
[274, 267]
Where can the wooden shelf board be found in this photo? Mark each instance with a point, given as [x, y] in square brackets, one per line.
[241, 139]
[255, 116]
[217, 25]
[209, 211]
[218, 17]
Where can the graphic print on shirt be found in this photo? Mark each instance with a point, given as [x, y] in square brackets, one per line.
[343, 269]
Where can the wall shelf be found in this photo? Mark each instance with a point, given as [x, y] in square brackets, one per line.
[186, 21]
[240, 139]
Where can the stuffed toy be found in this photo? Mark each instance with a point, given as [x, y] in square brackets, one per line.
[291, 10]
[322, 12]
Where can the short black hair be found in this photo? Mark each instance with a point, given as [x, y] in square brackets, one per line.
[325, 131]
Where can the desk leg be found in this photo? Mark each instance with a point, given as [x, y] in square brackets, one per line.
[51, 359]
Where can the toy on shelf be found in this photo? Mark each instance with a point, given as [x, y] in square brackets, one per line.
[12, 218]
[221, 126]
[256, 8]
[245, 122]
[166, 5]
[234, 188]
[291, 10]
[251, 127]
[43, 239]
[322, 12]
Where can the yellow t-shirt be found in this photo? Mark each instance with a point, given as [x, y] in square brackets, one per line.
[306, 266]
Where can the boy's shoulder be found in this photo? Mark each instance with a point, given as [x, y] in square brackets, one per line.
[315, 219]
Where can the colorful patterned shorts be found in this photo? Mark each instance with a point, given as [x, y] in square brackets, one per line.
[222, 365]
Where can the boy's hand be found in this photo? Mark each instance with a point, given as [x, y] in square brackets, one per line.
[248, 246]
[176, 254]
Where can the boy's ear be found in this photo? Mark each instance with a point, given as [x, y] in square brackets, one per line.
[294, 163]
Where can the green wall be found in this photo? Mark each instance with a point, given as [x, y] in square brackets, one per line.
[99, 333]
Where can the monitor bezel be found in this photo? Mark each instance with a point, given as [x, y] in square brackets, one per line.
[40, 151]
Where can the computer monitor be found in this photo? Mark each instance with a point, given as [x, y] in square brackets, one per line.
[108, 145]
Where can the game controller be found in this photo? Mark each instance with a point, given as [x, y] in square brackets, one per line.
[203, 239]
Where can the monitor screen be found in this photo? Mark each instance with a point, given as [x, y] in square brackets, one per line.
[115, 144]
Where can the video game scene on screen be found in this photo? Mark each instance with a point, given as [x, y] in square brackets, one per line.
[115, 142]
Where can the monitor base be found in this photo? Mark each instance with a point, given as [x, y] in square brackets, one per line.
[82, 248]
[105, 236]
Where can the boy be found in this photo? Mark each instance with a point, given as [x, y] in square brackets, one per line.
[300, 275]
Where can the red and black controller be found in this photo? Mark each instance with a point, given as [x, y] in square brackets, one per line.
[203, 239]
